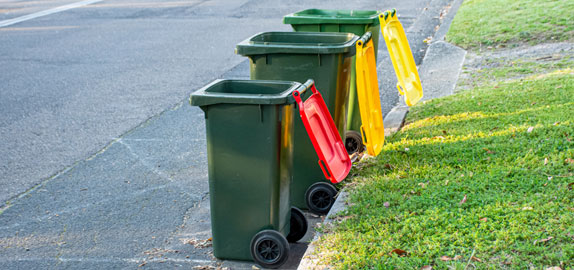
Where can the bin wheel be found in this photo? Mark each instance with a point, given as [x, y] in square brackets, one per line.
[269, 249]
[354, 142]
[320, 197]
[298, 225]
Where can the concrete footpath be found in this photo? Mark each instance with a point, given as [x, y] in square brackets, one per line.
[140, 199]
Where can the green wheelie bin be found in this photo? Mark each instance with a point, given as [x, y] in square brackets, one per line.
[249, 130]
[357, 22]
[296, 56]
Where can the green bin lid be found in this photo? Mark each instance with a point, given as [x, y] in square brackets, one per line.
[244, 92]
[297, 43]
[331, 16]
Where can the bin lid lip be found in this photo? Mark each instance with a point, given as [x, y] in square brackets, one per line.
[252, 47]
[204, 97]
[310, 16]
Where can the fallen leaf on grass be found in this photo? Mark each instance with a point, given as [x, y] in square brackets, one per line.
[545, 161]
[488, 151]
[543, 240]
[569, 160]
[475, 259]
[399, 252]
[343, 218]
[526, 208]
[445, 258]
[386, 204]
[457, 257]
[426, 267]
[463, 200]
[530, 129]
[554, 268]
[484, 219]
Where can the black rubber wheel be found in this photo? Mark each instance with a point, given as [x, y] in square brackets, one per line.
[320, 197]
[353, 142]
[298, 225]
[269, 249]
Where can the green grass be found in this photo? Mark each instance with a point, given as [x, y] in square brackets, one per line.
[494, 22]
[509, 150]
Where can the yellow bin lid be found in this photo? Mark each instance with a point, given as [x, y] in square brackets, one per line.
[409, 83]
[372, 129]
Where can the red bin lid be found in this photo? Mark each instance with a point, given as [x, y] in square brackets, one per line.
[333, 158]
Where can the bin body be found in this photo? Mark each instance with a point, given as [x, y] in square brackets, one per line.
[295, 56]
[249, 128]
[357, 22]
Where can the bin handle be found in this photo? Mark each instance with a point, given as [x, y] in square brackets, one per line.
[363, 137]
[325, 169]
[364, 39]
[302, 89]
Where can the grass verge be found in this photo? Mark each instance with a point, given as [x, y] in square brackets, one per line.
[483, 178]
[507, 22]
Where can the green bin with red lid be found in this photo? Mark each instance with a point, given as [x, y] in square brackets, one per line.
[250, 135]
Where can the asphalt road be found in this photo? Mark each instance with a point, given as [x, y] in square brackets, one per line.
[102, 161]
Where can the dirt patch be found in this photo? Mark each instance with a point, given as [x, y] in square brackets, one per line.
[514, 63]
